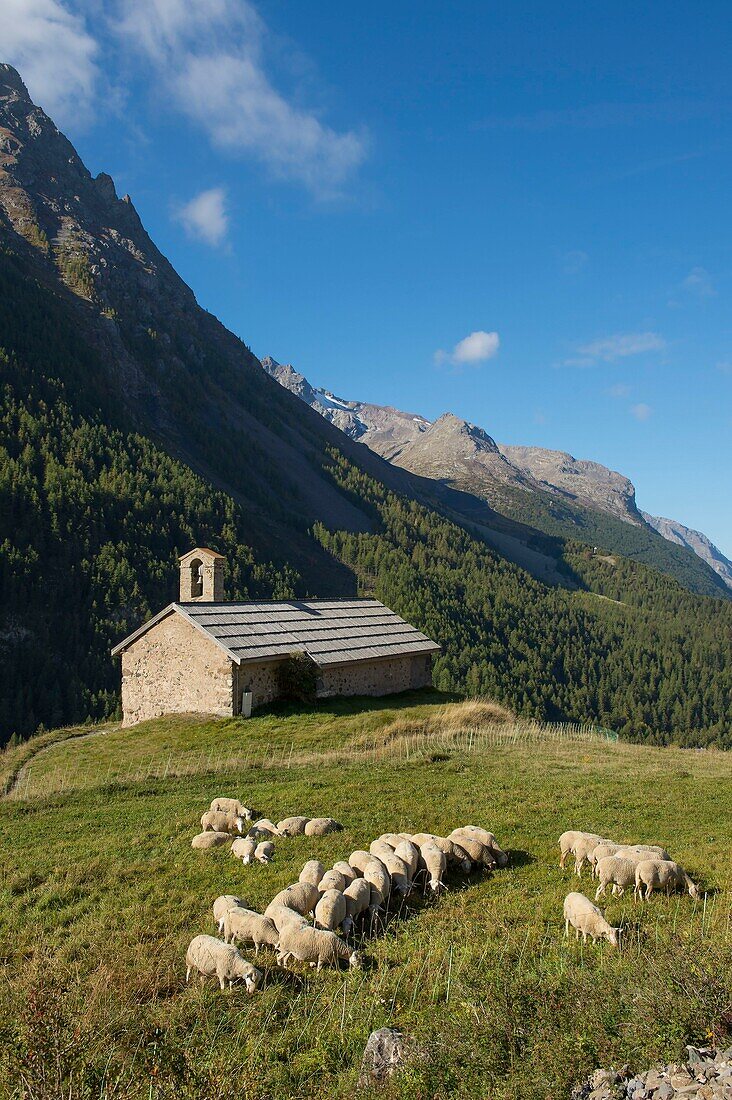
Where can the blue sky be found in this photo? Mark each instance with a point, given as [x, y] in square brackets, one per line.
[515, 212]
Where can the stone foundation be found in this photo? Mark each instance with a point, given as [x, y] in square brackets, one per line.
[386, 677]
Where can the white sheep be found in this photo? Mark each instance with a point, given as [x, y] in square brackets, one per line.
[300, 896]
[332, 880]
[409, 854]
[376, 873]
[321, 826]
[485, 837]
[662, 874]
[587, 919]
[475, 850]
[399, 874]
[346, 870]
[358, 898]
[232, 806]
[359, 859]
[312, 872]
[293, 826]
[381, 850]
[282, 917]
[264, 852]
[455, 854]
[246, 926]
[651, 851]
[616, 870]
[434, 860]
[210, 840]
[392, 839]
[264, 828]
[244, 848]
[569, 840]
[224, 903]
[332, 911]
[210, 957]
[583, 852]
[315, 946]
[219, 821]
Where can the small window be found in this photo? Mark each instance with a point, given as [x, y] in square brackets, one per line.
[196, 578]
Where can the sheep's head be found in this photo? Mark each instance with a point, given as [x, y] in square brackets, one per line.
[240, 824]
[612, 935]
[347, 925]
[694, 891]
[251, 976]
[356, 961]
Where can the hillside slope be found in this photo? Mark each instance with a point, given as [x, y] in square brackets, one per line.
[98, 908]
[676, 532]
[548, 490]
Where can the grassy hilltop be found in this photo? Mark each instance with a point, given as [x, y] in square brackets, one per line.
[101, 893]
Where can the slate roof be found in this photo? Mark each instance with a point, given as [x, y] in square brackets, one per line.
[331, 632]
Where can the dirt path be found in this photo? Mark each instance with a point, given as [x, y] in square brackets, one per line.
[17, 779]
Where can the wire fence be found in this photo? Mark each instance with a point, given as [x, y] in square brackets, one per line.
[388, 746]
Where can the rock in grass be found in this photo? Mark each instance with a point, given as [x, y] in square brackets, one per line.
[383, 1055]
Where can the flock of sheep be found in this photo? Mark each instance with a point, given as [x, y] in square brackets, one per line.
[645, 867]
[340, 900]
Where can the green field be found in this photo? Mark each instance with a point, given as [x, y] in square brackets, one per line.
[101, 893]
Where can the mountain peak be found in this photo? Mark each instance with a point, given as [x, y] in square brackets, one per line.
[10, 78]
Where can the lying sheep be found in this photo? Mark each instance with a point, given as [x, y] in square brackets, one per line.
[346, 870]
[434, 861]
[587, 919]
[376, 873]
[569, 840]
[244, 848]
[312, 872]
[616, 870]
[332, 911]
[219, 821]
[301, 896]
[264, 828]
[359, 859]
[210, 957]
[282, 917]
[224, 903]
[332, 880]
[264, 852]
[232, 806]
[321, 826]
[210, 840]
[293, 826]
[317, 947]
[662, 874]
[246, 926]
[409, 854]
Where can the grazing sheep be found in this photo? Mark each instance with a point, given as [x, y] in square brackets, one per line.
[358, 898]
[264, 827]
[569, 840]
[616, 870]
[474, 832]
[455, 854]
[359, 859]
[282, 917]
[399, 874]
[332, 911]
[392, 839]
[476, 851]
[301, 896]
[346, 870]
[244, 848]
[377, 900]
[264, 852]
[315, 946]
[332, 880]
[210, 957]
[409, 854]
[210, 840]
[587, 919]
[224, 903]
[381, 850]
[246, 926]
[434, 860]
[321, 826]
[293, 826]
[583, 850]
[218, 821]
[232, 806]
[662, 874]
[312, 872]
[376, 873]
[651, 851]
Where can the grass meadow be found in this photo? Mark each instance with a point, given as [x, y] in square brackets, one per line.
[101, 893]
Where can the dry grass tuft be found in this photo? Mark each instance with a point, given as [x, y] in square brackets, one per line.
[471, 714]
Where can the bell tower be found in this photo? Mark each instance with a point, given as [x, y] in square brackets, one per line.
[202, 576]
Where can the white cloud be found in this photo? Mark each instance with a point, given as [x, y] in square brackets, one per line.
[619, 346]
[472, 350]
[641, 411]
[208, 56]
[54, 54]
[205, 216]
[699, 282]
